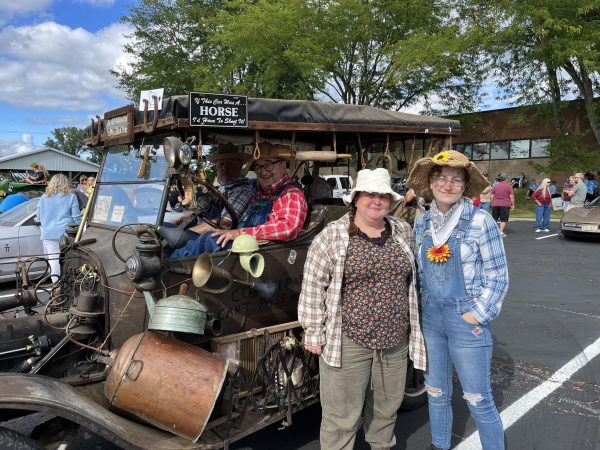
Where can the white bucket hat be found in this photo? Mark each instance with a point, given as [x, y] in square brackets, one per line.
[375, 181]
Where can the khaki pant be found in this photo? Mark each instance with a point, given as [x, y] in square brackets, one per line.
[373, 379]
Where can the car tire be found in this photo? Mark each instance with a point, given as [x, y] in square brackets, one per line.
[13, 440]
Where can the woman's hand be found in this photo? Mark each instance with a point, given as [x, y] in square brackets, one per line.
[314, 349]
[470, 318]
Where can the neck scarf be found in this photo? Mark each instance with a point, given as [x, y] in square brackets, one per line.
[442, 224]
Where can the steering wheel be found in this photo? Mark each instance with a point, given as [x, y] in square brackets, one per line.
[221, 198]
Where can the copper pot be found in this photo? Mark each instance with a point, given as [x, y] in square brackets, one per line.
[165, 382]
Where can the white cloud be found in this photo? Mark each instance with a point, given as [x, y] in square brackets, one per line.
[100, 3]
[12, 8]
[24, 145]
[57, 67]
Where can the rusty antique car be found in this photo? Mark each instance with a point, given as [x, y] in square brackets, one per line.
[193, 353]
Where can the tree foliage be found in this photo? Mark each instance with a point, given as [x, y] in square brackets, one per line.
[67, 139]
[376, 52]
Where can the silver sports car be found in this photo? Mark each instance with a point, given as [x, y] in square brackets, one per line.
[582, 221]
[19, 237]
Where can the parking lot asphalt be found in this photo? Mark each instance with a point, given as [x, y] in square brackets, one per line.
[545, 372]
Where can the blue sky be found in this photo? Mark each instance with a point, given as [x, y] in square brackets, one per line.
[55, 57]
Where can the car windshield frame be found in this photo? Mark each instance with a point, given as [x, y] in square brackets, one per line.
[18, 213]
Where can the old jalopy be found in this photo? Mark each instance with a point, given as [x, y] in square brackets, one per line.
[152, 352]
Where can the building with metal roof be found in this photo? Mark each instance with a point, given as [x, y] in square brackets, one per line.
[53, 160]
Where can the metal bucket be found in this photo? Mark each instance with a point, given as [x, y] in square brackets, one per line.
[167, 383]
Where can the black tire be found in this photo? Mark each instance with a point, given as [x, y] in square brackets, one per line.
[12, 440]
[415, 392]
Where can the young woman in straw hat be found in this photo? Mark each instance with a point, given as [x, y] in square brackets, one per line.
[463, 277]
[358, 307]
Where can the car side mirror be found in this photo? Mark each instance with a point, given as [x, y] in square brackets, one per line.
[36, 221]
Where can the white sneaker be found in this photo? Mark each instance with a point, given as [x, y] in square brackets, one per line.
[546, 230]
[538, 231]
[503, 235]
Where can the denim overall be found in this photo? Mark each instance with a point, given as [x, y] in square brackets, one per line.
[452, 342]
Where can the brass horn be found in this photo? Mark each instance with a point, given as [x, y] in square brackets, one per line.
[204, 270]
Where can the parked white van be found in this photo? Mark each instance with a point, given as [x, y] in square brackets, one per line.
[341, 184]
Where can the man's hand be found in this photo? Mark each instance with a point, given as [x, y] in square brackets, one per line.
[225, 236]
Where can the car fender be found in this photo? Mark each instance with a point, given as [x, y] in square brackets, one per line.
[38, 393]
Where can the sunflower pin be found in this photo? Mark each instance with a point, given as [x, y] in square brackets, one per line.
[438, 254]
[442, 156]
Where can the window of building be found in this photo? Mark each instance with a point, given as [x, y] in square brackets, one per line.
[540, 148]
[465, 149]
[519, 149]
[481, 151]
[499, 150]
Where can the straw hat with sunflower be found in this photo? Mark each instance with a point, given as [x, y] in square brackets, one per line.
[419, 178]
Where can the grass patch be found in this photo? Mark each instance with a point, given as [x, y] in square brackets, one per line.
[524, 208]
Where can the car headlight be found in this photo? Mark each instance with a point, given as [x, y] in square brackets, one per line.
[571, 225]
[171, 146]
[185, 154]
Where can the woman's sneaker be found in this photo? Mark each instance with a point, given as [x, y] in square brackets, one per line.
[538, 231]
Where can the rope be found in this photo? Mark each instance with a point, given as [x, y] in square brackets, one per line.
[363, 164]
[256, 153]
[334, 143]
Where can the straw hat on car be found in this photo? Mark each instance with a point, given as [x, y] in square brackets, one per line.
[374, 181]
[229, 151]
[419, 176]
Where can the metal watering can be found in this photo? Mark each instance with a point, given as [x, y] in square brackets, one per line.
[176, 313]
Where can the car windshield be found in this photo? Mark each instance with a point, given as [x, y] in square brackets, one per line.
[15, 215]
[131, 185]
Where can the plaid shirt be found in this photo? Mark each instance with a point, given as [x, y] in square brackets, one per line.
[238, 193]
[484, 264]
[320, 305]
[287, 215]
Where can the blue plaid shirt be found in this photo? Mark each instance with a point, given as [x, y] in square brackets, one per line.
[484, 264]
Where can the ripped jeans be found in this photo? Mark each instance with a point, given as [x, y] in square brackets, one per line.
[452, 342]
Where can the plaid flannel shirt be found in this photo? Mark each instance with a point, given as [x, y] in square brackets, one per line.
[238, 196]
[484, 264]
[320, 305]
[287, 216]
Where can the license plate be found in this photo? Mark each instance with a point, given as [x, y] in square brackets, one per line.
[589, 227]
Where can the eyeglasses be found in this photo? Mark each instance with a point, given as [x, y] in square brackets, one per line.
[442, 180]
[268, 166]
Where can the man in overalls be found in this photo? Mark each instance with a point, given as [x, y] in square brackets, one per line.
[277, 210]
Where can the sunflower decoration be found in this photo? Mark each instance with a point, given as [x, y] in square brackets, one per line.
[442, 156]
[438, 254]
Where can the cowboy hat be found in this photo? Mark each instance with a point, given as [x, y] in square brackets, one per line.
[419, 180]
[374, 181]
[229, 151]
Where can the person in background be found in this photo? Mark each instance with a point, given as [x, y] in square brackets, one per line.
[566, 197]
[90, 184]
[56, 210]
[503, 201]
[37, 175]
[553, 189]
[591, 185]
[359, 310]
[532, 187]
[543, 206]
[485, 197]
[463, 279]
[578, 192]
[81, 187]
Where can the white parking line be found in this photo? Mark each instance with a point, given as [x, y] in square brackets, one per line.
[522, 406]
[546, 237]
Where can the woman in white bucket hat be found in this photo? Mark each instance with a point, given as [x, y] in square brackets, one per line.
[358, 308]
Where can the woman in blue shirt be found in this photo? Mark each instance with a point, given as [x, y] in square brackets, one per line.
[56, 210]
[463, 278]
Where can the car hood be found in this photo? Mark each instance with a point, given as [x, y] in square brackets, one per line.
[587, 213]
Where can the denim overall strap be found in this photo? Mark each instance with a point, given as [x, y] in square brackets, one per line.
[259, 210]
[444, 281]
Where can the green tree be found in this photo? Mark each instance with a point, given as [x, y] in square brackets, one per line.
[67, 139]
[375, 52]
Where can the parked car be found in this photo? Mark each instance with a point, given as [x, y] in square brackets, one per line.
[20, 238]
[341, 184]
[582, 221]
